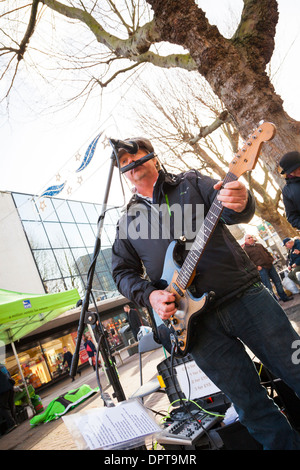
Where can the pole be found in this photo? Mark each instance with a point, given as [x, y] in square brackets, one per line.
[23, 378]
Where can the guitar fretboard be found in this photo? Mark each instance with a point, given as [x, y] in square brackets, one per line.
[203, 236]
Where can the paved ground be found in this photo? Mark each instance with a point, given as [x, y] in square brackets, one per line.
[55, 435]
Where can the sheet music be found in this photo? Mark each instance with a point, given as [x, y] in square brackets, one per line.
[112, 428]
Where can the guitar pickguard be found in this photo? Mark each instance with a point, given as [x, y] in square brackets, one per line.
[188, 307]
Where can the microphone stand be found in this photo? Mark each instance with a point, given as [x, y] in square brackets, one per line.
[89, 317]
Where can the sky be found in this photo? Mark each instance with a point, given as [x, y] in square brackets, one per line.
[39, 148]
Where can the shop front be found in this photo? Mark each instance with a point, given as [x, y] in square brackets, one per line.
[41, 353]
[114, 323]
[42, 361]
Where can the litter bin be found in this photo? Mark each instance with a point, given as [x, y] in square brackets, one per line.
[128, 338]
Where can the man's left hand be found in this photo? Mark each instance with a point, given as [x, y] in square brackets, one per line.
[233, 195]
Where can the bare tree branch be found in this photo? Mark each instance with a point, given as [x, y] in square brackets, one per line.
[29, 31]
[204, 131]
[104, 84]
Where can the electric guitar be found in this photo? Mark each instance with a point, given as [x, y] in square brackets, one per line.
[177, 278]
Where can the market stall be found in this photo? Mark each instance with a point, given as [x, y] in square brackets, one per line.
[22, 313]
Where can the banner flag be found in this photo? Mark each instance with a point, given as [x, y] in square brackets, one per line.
[53, 190]
[89, 154]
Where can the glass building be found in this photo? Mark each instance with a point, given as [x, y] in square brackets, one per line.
[48, 245]
[62, 234]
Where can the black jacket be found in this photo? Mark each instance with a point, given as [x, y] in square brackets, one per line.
[224, 266]
[294, 258]
[291, 200]
[90, 348]
[6, 382]
[68, 358]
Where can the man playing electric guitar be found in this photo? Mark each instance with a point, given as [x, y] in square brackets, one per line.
[242, 312]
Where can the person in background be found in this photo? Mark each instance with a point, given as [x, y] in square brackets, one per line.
[7, 405]
[133, 320]
[91, 350]
[68, 356]
[293, 247]
[263, 260]
[290, 164]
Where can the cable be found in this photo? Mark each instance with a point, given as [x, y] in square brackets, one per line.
[197, 404]
[97, 368]
[188, 379]
[173, 350]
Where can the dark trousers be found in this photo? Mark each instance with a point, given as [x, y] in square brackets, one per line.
[7, 408]
[266, 275]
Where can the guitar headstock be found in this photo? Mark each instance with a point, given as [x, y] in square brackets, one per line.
[247, 156]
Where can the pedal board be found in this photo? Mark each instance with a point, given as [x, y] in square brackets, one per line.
[187, 431]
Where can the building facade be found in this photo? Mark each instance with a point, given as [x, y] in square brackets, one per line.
[47, 246]
[61, 235]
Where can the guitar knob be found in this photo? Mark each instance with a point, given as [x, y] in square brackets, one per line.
[174, 321]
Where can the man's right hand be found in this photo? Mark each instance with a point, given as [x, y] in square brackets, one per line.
[163, 302]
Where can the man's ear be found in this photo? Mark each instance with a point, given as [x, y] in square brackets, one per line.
[157, 164]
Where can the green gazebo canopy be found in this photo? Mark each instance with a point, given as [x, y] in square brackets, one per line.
[22, 313]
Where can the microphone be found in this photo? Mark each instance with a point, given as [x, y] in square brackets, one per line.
[130, 146]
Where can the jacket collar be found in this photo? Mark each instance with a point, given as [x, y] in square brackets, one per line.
[292, 179]
[158, 189]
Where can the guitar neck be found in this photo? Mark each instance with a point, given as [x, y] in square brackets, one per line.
[202, 238]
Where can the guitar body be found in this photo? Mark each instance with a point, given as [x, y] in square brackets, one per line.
[188, 307]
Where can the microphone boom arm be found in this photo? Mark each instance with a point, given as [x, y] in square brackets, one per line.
[137, 163]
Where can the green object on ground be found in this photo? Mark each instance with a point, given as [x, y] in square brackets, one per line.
[63, 404]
